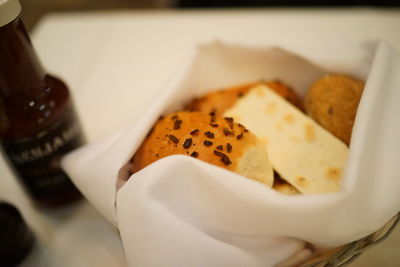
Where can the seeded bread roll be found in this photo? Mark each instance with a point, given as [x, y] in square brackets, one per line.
[221, 100]
[332, 101]
[210, 138]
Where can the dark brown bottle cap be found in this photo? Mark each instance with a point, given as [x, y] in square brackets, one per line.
[16, 239]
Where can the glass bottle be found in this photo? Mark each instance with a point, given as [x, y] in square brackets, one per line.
[38, 123]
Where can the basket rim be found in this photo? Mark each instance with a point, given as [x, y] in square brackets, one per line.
[348, 253]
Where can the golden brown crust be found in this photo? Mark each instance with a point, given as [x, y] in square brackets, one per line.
[220, 101]
[332, 101]
[208, 137]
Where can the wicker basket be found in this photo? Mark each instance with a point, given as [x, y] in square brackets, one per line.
[346, 254]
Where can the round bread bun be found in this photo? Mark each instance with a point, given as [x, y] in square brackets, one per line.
[332, 101]
[209, 138]
[221, 100]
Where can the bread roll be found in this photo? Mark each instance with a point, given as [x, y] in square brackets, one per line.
[301, 151]
[220, 101]
[207, 137]
[332, 101]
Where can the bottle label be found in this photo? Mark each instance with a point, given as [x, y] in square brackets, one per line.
[37, 158]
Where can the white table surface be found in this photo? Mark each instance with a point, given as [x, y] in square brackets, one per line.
[116, 62]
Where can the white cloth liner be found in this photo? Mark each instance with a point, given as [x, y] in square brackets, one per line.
[180, 211]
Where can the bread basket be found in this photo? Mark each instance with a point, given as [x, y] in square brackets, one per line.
[178, 194]
[346, 254]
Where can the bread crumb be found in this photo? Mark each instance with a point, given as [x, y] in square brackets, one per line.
[227, 132]
[264, 140]
[301, 181]
[209, 134]
[278, 126]
[229, 147]
[260, 91]
[195, 132]
[288, 118]
[236, 118]
[207, 143]
[333, 173]
[271, 108]
[309, 132]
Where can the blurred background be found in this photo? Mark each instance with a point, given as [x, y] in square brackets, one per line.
[33, 10]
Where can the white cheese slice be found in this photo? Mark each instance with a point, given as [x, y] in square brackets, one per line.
[302, 152]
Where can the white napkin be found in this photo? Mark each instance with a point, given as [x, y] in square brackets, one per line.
[180, 211]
